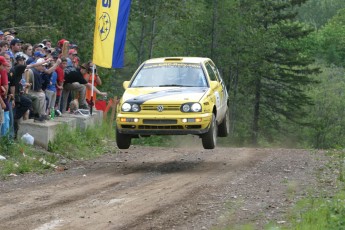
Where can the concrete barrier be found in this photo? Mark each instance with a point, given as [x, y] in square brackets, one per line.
[44, 133]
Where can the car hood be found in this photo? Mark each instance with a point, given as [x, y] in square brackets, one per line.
[163, 95]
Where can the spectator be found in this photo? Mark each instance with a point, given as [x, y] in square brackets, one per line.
[47, 43]
[27, 50]
[1, 35]
[50, 89]
[17, 86]
[4, 63]
[60, 79]
[35, 92]
[16, 45]
[13, 32]
[37, 55]
[74, 81]
[9, 38]
[88, 77]
[72, 59]
[2, 107]
[3, 46]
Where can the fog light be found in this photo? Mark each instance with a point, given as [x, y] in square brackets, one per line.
[198, 120]
[123, 119]
[136, 120]
[184, 120]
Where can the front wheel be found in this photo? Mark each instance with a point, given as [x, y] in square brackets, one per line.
[123, 141]
[209, 139]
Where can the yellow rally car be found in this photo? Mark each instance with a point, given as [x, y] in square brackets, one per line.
[174, 96]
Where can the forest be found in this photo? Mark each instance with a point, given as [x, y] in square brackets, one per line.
[282, 60]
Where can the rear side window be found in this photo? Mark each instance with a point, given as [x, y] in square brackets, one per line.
[211, 72]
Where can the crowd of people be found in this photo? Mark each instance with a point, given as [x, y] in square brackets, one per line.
[39, 80]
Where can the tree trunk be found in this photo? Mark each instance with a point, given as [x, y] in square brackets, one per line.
[256, 112]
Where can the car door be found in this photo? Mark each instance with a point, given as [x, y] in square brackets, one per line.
[220, 92]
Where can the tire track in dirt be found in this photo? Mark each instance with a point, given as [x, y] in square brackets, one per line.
[146, 188]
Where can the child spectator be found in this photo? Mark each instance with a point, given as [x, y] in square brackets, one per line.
[60, 79]
[51, 88]
[88, 77]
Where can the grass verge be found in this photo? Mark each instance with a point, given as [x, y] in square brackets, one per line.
[67, 145]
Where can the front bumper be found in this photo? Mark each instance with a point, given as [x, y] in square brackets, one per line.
[189, 123]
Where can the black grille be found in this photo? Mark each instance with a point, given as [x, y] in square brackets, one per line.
[159, 122]
[160, 127]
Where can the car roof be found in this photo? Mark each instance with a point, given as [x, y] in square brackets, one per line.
[178, 59]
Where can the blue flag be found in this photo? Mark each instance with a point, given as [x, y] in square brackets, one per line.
[110, 32]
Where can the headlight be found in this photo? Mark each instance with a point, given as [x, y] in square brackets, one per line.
[185, 108]
[191, 107]
[135, 108]
[126, 107]
[196, 107]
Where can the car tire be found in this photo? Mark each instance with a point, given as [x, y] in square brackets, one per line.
[209, 139]
[123, 141]
[224, 127]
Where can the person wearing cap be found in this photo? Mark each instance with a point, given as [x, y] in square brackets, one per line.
[16, 45]
[37, 55]
[1, 35]
[71, 59]
[33, 76]
[74, 81]
[22, 103]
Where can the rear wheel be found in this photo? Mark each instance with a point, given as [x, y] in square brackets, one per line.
[123, 141]
[224, 127]
[209, 139]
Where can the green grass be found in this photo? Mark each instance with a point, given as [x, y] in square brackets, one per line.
[67, 145]
[319, 210]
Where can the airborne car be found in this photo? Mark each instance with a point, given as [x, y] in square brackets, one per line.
[174, 96]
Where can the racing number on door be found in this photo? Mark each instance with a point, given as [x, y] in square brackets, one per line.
[217, 96]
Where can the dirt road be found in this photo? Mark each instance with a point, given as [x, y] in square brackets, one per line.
[163, 188]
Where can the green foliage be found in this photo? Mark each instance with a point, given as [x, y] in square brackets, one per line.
[262, 50]
[324, 212]
[21, 158]
[332, 39]
[82, 144]
[325, 124]
[318, 12]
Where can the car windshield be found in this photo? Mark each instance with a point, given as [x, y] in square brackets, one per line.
[170, 75]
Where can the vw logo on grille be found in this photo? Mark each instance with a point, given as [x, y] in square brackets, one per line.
[160, 108]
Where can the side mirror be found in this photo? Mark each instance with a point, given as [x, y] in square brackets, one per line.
[213, 84]
[125, 84]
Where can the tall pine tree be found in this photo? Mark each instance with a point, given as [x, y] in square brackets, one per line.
[281, 71]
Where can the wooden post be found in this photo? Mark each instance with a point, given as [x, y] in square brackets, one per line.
[113, 110]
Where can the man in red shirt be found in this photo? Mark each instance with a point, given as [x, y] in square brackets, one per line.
[3, 95]
[60, 80]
